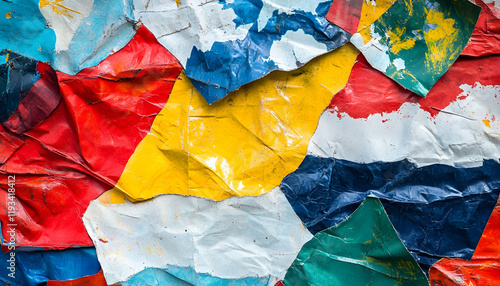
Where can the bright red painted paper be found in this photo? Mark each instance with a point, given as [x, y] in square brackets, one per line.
[369, 91]
[92, 280]
[489, 244]
[345, 14]
[484, 267]
[485, 39]
[79, 149]
[451, 272]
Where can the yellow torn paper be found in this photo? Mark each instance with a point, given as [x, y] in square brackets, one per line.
[244, 144]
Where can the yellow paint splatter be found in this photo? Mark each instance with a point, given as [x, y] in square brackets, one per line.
[58, 7]
[487, 123]
[366, 35]
[7, 57]
[398, 44]
[371, 11]
[409, 5]
[178, 2]
[439, 41]
[8, 15]
[406, 266]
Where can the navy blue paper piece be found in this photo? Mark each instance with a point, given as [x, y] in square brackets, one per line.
[37, 267]
[438, 210]
[17, 76]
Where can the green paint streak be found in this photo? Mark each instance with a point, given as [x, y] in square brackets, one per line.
[428, 36]
[362, 250]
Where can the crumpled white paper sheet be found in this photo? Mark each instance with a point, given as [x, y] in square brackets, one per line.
[457, 136]
[201, 23]
[233, 238]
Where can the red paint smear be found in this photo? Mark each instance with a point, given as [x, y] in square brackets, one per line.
[42, 68]
[279, 283]
[484, 267]
[80, 150]
[489, 244]
[345, 14]
[485, 39]
[91, 280]
[462, 272]
[8, 145]
[369, 91]
[491, 6]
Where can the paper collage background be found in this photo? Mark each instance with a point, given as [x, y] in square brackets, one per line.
[250, 142]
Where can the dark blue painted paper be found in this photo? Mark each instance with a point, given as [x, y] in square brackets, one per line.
[229, 65]
[17, 76]
[438, 210]
[37, 267]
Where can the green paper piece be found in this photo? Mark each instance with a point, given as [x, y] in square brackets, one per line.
[362, 250]
[416, 41]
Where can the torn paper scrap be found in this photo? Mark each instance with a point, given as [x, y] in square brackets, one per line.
[243, 145]
[482, 269]
[346, 14]
[17, 76]
[91, 280]
[489, 246]
[70, 35]
[230, 239]
[225, 44]
[409, 149]
[416, 42]
[70, 137]
[24, 30]
[355, 15]
[461, 272]
[37, 267]
[187, 276]
[173, 276]
[438, 210]
[154, 276]
[362, 250]
[456, 234]
[494, 5]
[484, 40]
[107, 29]
[64, 17]
[457, 124]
